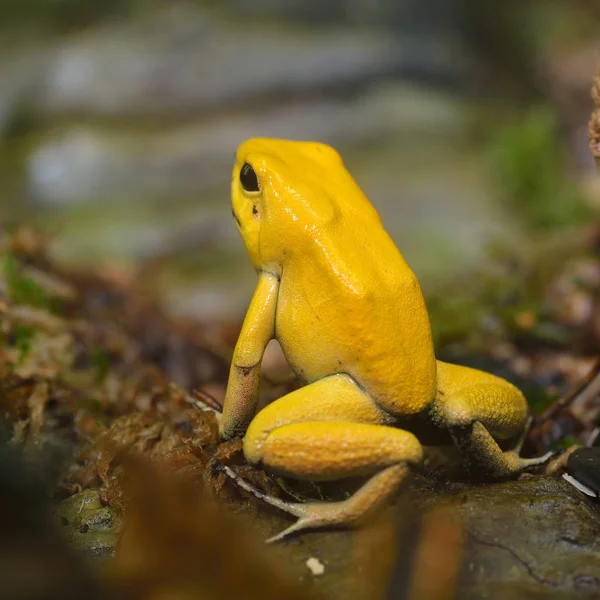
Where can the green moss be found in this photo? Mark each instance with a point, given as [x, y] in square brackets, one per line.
[100, 361]
[22, 289]
[492, 305]
[23, 337]
[528, 161]
[566, 442]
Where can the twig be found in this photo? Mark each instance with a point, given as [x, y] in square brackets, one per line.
[587, 389]
[205, 401]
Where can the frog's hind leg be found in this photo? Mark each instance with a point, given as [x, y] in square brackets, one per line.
[326, 431]
[477, 417]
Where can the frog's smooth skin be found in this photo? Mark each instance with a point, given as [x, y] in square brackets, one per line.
[349, 314]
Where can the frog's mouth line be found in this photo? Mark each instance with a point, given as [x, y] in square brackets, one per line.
[239, 223]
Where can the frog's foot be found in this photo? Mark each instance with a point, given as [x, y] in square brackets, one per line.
[520, 464]
[347, 513]
[470, 415]
[484, 454]
[353, 511]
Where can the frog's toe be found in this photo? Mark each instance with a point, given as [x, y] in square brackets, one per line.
[299, 525]
[316, 515]
[521, 465]
[293, 508]
[540, 460]
[310, 515]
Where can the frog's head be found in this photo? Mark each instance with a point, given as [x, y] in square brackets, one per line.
[285, 193]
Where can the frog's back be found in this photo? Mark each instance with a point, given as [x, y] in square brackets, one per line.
[352, 304]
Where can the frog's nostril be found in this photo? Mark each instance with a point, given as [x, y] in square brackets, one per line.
[248, 178]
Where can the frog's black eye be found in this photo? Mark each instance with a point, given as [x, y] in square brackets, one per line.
[248, 178]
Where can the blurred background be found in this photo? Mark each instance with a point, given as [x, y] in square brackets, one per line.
[464, 122]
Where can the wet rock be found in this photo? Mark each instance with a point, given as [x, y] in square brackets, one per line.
[535, 538]
[89, 527]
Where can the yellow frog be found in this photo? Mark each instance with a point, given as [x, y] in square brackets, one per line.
[349, 314]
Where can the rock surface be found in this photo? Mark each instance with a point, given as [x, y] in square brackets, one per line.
[88, 526]
[535, 538]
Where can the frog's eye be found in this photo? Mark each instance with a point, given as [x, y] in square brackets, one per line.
[248, 178]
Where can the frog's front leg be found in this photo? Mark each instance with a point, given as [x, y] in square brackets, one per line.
[242, 387]
[331, 430]
[479, 415]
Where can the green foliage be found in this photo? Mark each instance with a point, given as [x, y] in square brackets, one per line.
[504, 301]
[528, 161]
[22, 289]
[539, 399]
[23, 336]
[100, 360]
[566, 442]
[454, 318]
[92, 404]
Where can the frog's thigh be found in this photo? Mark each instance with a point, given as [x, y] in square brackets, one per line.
[329, 430]
[476, 417]
[501, 410]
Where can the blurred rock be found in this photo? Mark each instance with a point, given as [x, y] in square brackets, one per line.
[179, 62]
[18, 77]
[348, 11]
[84, 163]
[403, 16]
